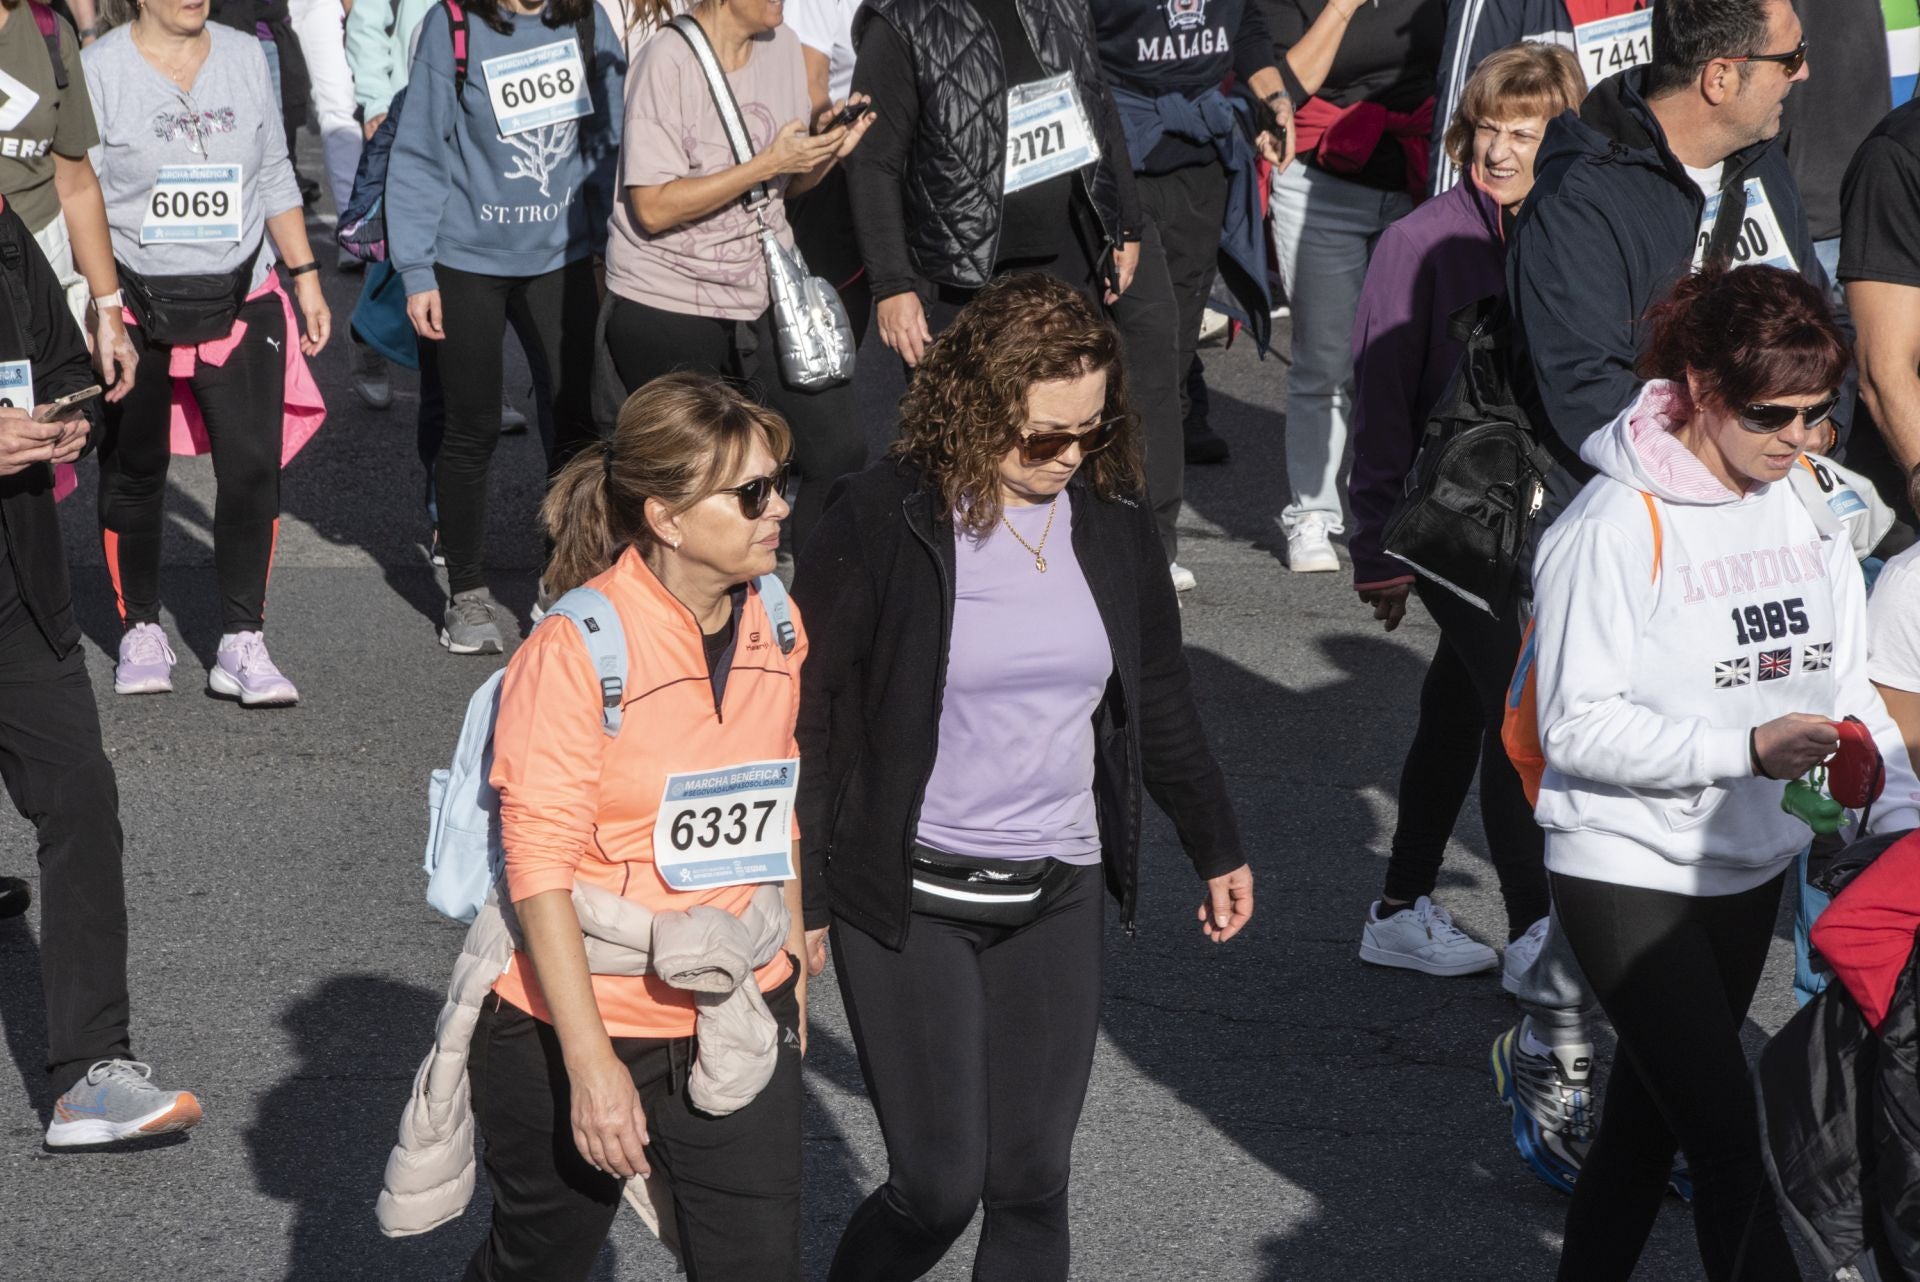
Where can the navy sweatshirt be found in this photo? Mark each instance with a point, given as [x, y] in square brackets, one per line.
[1187, 47]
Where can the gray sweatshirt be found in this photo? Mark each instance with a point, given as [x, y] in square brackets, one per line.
[231, 116]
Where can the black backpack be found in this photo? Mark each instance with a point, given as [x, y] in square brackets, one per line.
[1465, 517]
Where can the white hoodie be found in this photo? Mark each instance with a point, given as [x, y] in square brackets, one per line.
[1651, 676]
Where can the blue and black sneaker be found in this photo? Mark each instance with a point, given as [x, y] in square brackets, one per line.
[1553, 1104]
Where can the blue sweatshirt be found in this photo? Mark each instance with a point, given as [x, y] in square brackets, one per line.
[459, 193]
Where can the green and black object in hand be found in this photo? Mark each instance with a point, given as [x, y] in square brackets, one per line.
[1812, 807]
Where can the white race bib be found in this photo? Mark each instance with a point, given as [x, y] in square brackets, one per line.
[16, 385]
[543, 86]
[1047, 132]
[727, 827]
[1614, 44]
[198, 204]
[1761, 243]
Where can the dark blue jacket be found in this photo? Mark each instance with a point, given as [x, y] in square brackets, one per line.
[1610, 225]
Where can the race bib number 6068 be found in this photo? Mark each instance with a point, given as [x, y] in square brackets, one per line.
[727, 827]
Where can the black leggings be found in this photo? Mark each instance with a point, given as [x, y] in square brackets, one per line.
[976, 1044]
[735, 1179]
[828, 441]
[1675, 974]
[243, 402]
[1462, 702]
[554, 316]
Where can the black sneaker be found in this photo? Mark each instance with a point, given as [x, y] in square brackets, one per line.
[1204, 445]
[15, 896]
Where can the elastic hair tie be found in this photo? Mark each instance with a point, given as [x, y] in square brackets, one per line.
[606, 460]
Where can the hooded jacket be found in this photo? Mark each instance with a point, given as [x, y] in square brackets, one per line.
[1660, 647]
[1612, 222]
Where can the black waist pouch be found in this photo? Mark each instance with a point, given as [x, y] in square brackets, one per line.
[985, 892]
[185, 310]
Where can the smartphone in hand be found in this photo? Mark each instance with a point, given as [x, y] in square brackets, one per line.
[67, 406]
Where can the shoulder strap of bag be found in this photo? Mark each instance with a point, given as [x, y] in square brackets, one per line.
[722, 92]
[49, 25]
[457, 29]
[599, 623]
[1653, 518]
[773, 597]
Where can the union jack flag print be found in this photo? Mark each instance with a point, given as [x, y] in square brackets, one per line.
[1775, 664]
[1816, 658]
[1729, 673]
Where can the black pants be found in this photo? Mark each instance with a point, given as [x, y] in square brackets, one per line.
[735, 1179]
[1462, 702]
[554, 316]
[976, 1044]
[62, 783]
[1189, 206]
[244, 404]
[1147, 317]
[828, 441]
[1675, 974]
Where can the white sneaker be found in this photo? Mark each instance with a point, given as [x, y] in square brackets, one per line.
[1213, 326]
[1183, 580]
[1521, 954]
[1309, 550]
[1423, 937]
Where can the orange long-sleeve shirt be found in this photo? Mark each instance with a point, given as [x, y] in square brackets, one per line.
[578, 807]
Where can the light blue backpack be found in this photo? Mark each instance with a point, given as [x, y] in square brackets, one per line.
[464, 854]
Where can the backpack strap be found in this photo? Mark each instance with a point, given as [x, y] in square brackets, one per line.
[49, 25]
[1653, 519]
[599, 623]
[773, 597]
[457, 29]
[13, 274]
[584, 36]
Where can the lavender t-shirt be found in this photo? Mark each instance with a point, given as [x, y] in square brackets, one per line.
[1028, 662]
[711, 266]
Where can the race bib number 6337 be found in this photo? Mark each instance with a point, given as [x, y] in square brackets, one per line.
[727, 827]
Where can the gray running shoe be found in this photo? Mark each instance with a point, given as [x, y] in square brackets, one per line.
[117, 1100]
[370, 378]
[471, 624]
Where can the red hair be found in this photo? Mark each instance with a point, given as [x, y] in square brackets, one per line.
[1746, 334]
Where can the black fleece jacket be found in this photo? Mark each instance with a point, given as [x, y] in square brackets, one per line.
[876, 581]
[35, 326]
[1612, 222]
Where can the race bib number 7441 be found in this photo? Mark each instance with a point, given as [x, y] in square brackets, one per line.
[727, 827]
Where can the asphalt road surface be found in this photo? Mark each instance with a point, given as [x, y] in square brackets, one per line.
[1270, 1109]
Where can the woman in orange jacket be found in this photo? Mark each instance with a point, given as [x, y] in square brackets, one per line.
[672, 520]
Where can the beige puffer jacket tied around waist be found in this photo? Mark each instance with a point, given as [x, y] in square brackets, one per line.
[705, 951]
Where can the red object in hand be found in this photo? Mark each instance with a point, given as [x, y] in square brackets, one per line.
[1856, 776]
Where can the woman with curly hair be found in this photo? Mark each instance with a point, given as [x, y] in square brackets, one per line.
[995, 669]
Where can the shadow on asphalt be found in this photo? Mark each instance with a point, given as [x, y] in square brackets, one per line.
[23, 1014]
[321, 1136]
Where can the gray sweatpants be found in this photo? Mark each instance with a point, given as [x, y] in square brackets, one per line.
[1554, 993]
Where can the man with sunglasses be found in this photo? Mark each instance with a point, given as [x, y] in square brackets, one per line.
[1667, 167]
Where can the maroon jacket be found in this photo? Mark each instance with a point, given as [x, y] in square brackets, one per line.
[1446, 254]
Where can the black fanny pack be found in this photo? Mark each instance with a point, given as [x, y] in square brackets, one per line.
[985, 892]
[185, 310]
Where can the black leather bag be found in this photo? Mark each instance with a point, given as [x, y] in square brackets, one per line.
[1465, 517]
[985, 892]
[185, 310]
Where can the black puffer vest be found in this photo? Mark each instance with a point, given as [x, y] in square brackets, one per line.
[953, 178]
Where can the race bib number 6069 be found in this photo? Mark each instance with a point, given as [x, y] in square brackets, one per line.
[194, 204]
[727, 827]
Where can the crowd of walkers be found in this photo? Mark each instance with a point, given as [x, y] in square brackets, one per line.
[900, 712]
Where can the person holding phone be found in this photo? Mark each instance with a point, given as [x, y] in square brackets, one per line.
[201, 203]
[685, 264]
[51, 757]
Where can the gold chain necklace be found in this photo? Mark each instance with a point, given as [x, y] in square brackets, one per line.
[1039, 562]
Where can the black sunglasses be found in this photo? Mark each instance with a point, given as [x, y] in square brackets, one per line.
[1766, 419]
[1790, 62]
[754, 495]
[1044, 447]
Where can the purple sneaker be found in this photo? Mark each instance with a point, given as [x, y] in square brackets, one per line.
[242, 670]
[146, 661]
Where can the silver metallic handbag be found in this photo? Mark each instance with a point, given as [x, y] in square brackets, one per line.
[809, 321]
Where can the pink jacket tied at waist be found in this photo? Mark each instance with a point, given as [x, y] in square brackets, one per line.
[305, 410]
